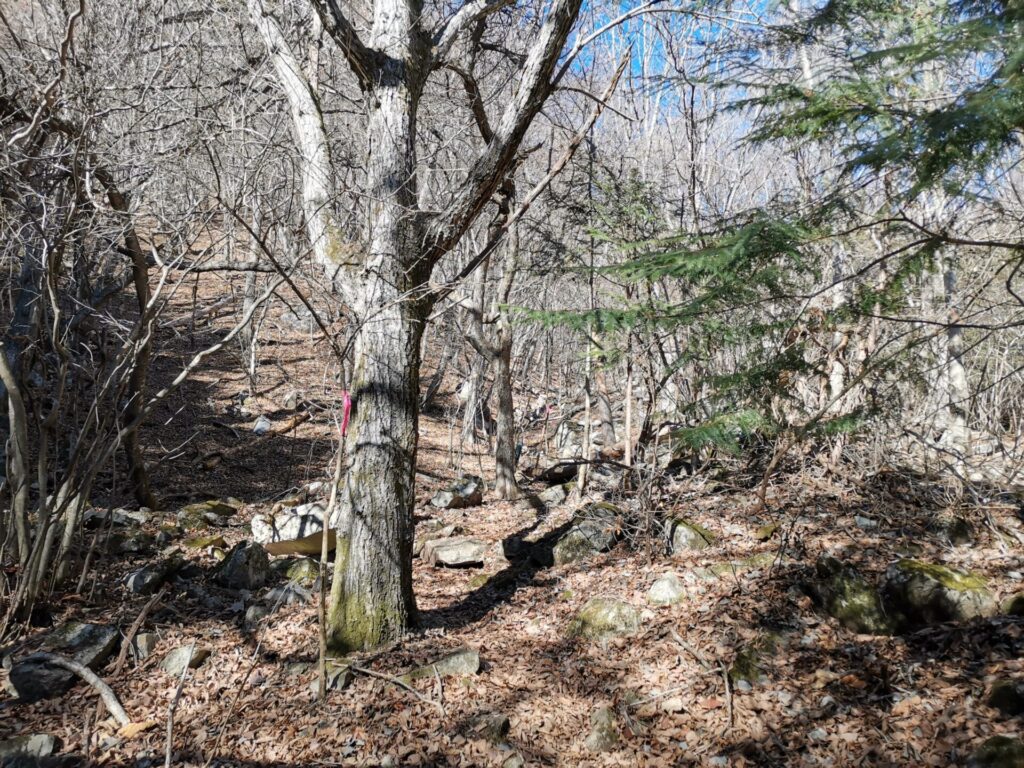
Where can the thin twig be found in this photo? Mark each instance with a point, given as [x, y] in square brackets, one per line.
[728, 694]
[401, 684]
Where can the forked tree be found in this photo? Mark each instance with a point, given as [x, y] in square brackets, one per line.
[383, 270]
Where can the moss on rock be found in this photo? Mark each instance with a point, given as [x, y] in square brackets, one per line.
[602, 618]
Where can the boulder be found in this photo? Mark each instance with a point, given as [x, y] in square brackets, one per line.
[289, 524]
[569, 436]
[205, 513]
[602, 618]
[303, 571]
[668, 590]
[493, 727]
[686, 536]
[174, 663]
[119, 518]
[33, 679]
[245, 567]
[143, 644]
[1007, 696]
[289, 594]
[554, 495]
[339, 676]
[604, 735]
[1014, 605]
[736, 568]
[462, 552]
[136, 543]
[845, 595]
[594, 529]
[464, 661]
[954, 530]
[467, 492]
[748, 667]
[560, 473]
[202, 542]
[926, 593]
[149, 578]
[765, 532]
[998, 752]
[35, 745]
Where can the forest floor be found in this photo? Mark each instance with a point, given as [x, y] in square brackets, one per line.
[826, 696]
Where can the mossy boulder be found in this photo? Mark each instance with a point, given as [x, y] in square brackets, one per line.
[751, 659]
[765, 532]
[735, 568]
[954, 529]
[1007, 696]
[1014, 605]
[998, 752]
[928, 593]
[684, 536]
[202, 542]
[846, 596]
[594, 529]
[303, 571]
[602, 618]
[203, 514]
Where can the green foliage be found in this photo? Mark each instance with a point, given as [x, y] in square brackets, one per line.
[933, 92]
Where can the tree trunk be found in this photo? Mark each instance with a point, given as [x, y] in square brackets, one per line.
[505, 485]
[371, 598]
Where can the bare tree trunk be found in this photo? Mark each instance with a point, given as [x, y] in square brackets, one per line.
[505, 485]
[371, 597]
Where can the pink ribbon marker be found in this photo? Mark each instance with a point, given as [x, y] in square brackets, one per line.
[346, 411]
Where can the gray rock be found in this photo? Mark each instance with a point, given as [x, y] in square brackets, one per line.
[604, 735]
[262, 425]
[1007, 696]
[144, 644]
[686, 536]
[288, 524]
[148, 579]
[954, 530]
[246, 567]
[119, 518]
[339, 677]
[844, 594]
[465, 661]
[554, 495]
[493, 727]
[455, 553]
[595, 529]
[34, 745]
[865, 523]
[668, 590]
[602, 618]
[998, 752]
[137, 543]
[206, 513]
[289, 594]
[255, 613]
[174, 663]
[926, 593]
[514, 761]
[467, 492]
[33, 679]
